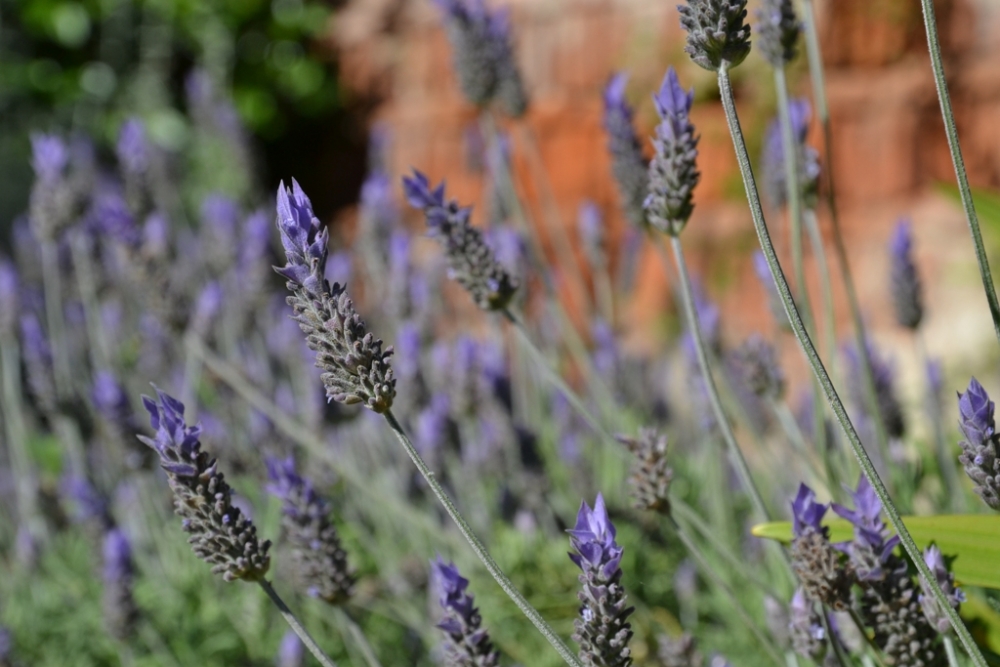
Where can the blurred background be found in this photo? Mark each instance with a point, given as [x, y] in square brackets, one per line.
[300, 85]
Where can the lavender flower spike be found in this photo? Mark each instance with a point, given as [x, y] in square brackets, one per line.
[470, 261]
[673, 172]
[778, 30]
[120, 611]
[220, 534]
[603, 630]
[650, 476]
[805, 627]
[318, 559]
[468, 642]
[907, 299]
[816, 563]
[628, 165]
[757, 362]
[956, 596]
[483, 55]
[355, 368]
[716, 35]
[981, 446]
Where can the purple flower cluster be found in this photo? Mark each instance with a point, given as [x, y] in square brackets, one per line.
[471, 262]
[483, 55]
[355, 368]
[716, 34]
[628, 164]
[806, 158]
[220, 534]
[904, 282]
[468, 643]
[602, 630]
[673, 172]
[981, 447]
[319, 562]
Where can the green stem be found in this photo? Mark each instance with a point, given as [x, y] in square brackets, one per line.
[798, 327]
[478, 547]
[713, 393]
[840, 250]
[555, 378]
[296, 626]
[934, 46]
[357, 636]
[949, 649]
[710, 572]
[826, 286]
[793, 191]
[838, 650]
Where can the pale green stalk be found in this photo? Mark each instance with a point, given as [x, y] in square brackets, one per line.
[945, 459]
[358, 637]
[736, 455]
[934, 46]
[825, 284]
[823, 111]
[26, 483]
[100, 350]
[838, 650]
[477, 546]
[793, 192]
[798, 327]
[710, 572]
[296, 626]
[949, 649]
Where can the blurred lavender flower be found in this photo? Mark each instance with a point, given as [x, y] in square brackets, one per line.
[628, 164]
[673, 172]
[981, 447]
[590, 226]
[120, 610]
[603, 630]
[904, 282]
[38, 362]
[431, 430]
[132, 148]
[291, 651]
[88, 505]
[6, 647]
[777, 31]
[220, 534]
[468, 643]
[815, 561]
[678, 652]
[109, 215]
[10, 298]
[470, 261]
[483, 55]
[510, 249]
[889, 604]
[806, 158]
[49, 157]
[355, 369]
[569, 430]
[206, 307]
[52, 198]
[318, 559]
[220, 218]
[946, 580]
[889, 407]
[716, 35]
[806, 627]
[650, 475]
[757, 365]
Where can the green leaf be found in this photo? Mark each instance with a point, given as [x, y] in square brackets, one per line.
[973, 539]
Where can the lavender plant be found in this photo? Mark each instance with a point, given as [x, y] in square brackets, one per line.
[468, 643]
[602, 631]
[628, 165]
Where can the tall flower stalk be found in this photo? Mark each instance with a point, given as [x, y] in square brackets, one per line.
[722, 66]
[951, 130]
[355, 369]
[673, 176]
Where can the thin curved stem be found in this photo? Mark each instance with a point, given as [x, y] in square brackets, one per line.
[478, 547]
[357, 636]
[710, 572]
[934, 46]
[838, 650]
[798, 327]
[296, 626]
[713, 393]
